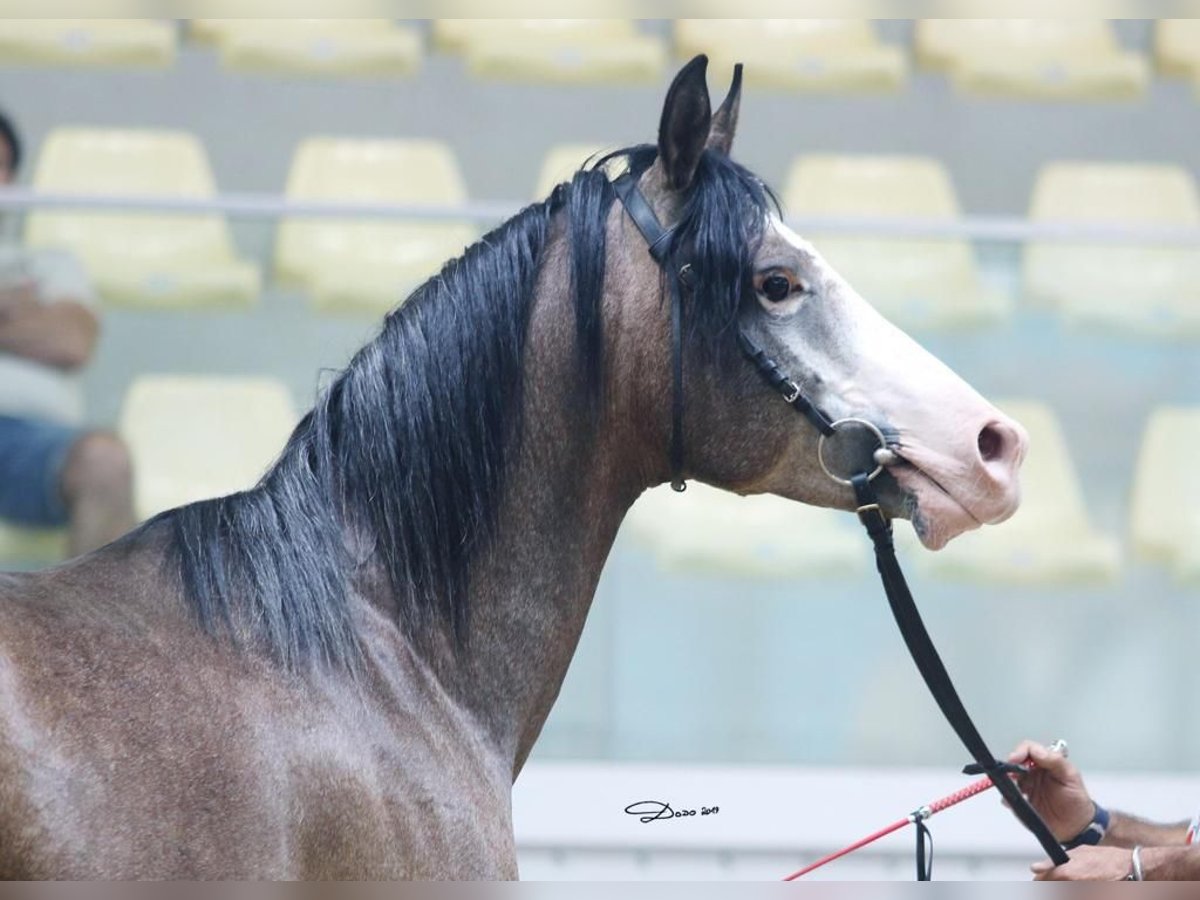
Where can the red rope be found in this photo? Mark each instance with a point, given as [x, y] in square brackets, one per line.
[976, 787]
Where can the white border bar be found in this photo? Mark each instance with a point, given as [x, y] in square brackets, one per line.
[804, 811]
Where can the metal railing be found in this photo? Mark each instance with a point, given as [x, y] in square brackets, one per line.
[1000, 229]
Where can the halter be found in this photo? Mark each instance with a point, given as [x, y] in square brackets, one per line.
[870, 514]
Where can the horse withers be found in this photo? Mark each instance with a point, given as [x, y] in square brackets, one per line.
[340, 672]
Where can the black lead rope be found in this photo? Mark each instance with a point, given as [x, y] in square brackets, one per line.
[924, 853]
[933, 670]
[904, 609]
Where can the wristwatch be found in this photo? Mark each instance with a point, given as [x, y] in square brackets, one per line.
[1094, 832]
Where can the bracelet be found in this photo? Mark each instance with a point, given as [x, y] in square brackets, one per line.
[1136, 873]
[1094, 832]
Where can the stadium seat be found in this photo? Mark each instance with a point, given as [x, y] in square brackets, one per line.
[564, 51]
[1187, 563]
[1050, 539]
[1152, 289]
[197, 437]
[369, 265]
[1166, 490]
[367, 47]
[798, 54]
[710, 530]
[1177, 47]
[25, 547]
[1040, 58]
[142, 43]
[916, 282]
[140, 259]
[562, 162]
[457, 35]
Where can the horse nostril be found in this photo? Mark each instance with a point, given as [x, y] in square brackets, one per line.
[991, 443]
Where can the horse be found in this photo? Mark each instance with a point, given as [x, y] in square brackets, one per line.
[340, 672]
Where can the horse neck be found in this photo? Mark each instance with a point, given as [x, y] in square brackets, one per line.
[569, 487]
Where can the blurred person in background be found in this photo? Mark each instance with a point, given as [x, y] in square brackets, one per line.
[53, 472]
[1103, 845]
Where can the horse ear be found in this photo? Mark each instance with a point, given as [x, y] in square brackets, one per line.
[683, 130]
[724, 120]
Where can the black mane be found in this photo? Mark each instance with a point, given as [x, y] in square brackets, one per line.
[407, 449]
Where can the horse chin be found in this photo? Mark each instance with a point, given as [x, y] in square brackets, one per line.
[936, 516]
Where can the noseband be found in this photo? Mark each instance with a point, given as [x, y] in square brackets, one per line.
[870, 514]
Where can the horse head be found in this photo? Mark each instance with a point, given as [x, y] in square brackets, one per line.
[949, 460]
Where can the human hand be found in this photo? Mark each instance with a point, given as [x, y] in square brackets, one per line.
[1087, 864]
[17, 296]
[1055, 789]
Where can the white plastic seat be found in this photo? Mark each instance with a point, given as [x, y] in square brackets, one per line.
[1041, 58]
[916, 282]
[1050, 539]
[141, 43]
[361, 264]
[23, 547]
[797, 54]
[140, 259]
[366, 47]
[706, 529]
[1166, 490]
[563, 51]
[1150, 289]
[197, 437]
[1177, 47]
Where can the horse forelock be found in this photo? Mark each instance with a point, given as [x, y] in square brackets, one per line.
[405, 451]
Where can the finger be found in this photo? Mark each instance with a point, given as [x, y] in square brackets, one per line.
[1048, 760]
[1050, 872]
[1023, 751]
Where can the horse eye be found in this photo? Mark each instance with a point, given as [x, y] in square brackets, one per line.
[776, 288]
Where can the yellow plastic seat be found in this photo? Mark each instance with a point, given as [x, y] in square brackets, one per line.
[763, 536]
[1152, 289]
[366, 47]
[562, 162]
[797, 54]
[369, 265]
[916, 282]
[1177, 47]
[457, 35]
[1050, 539]
[1166, 491]
[27, 547]
[1187, 562]
[148, 43]
[1041, 58]
[562, 51]
[198, 437]
[141, 259]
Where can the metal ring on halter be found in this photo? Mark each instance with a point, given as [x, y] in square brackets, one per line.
[851, 420]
